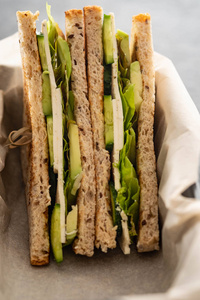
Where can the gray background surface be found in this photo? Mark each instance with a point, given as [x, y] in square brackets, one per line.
[175, 24]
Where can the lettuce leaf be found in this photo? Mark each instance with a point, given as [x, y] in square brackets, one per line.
[52, 30]
[128, 195]
[125, 87]
[123, 53]
[130, 136]
[60, 54]
[127, 96]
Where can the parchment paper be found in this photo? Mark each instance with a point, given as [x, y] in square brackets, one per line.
[171, 273]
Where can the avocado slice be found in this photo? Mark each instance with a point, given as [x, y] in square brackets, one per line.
[46, 94]
[56, 234]
[136, 80]
[108, 40]
[71, 222]
[108, 120]
[46, 88]
[74, 148]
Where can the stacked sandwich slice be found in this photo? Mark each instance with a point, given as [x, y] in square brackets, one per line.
[88, 101]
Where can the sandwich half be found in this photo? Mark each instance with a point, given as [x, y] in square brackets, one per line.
[127, 81]
[35, 156]
[142, 50]
[134, 158]
[60, 159]
[105, 230]
[84, 34]
[75, 35]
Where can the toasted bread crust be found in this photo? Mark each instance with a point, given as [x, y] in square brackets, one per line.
[142, 50]
[75, 35]
[71, 14]
[105, 231]
[35, 156]
[91, 10]
[142, 18]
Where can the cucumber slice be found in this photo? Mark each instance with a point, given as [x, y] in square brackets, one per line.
[50, 138]
[108, 119]
[116, 216]
[46, 94]
[64, 57]
[107, 79]
[108, 40]
[41, 48]
[56, 234]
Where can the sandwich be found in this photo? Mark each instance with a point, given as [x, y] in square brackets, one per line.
[89, 101]
[61, 153]
[121, 93]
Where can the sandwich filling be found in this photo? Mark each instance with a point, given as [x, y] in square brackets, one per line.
[123, 84]
[64, 150]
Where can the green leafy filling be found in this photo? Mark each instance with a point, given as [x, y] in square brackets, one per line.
[128, 195]
[61, 62]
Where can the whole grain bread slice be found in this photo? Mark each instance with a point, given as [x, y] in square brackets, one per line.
[142, 50]
[75, 35]
[34, 156]
[105, 231]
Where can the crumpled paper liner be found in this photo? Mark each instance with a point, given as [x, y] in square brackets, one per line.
[173, 272]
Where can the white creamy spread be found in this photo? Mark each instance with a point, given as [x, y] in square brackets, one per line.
[117, 112]
[124, 239]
